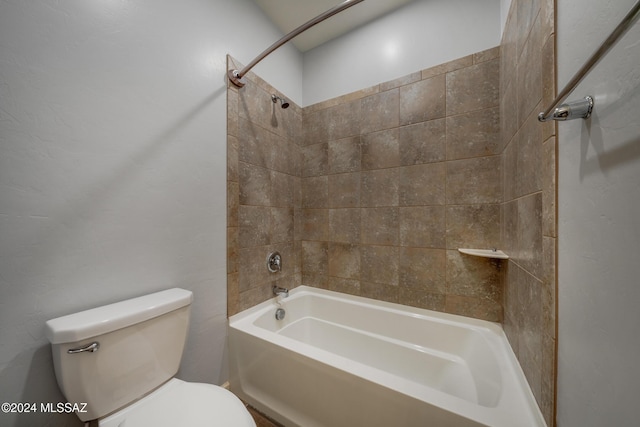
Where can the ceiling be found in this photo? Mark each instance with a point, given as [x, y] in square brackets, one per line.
[288, 15]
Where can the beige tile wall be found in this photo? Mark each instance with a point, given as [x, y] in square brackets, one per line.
[263, 192]
[527, 86]
[398, 176]
[373, 192]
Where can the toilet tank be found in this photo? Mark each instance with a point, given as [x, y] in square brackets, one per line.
[140, 343]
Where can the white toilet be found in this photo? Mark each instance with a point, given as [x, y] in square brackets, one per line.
[120, 360]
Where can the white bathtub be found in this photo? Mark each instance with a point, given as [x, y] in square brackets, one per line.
[339, 360]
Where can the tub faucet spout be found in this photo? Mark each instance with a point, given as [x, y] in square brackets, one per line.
[277, 291]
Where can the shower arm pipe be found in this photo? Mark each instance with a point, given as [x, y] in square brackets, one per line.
[624, 25]
[235, 76]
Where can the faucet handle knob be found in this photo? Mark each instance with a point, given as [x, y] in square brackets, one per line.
[274, 262]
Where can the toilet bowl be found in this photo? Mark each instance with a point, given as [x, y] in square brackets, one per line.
[120, 360]
[180, 403]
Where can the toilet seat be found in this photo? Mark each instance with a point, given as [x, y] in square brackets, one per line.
[180, 403]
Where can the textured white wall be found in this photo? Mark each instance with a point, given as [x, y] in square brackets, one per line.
[113, 168]
[419, 35]
[599, 223]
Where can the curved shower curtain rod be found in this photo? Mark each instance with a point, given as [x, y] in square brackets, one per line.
[235, 76]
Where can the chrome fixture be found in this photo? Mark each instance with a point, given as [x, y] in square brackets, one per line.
[274, 262]
[277, 291]
[283, 102]
[280, 313]
[572, 110]
[560, 113]
[91, 348]
[236, 76]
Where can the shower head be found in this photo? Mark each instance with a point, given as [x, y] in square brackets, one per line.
[283, 102]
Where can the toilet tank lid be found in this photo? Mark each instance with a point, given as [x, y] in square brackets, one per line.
[97, 321]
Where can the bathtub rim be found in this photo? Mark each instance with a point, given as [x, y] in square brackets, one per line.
[440, 316]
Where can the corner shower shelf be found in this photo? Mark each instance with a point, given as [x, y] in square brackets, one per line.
[485, 253]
